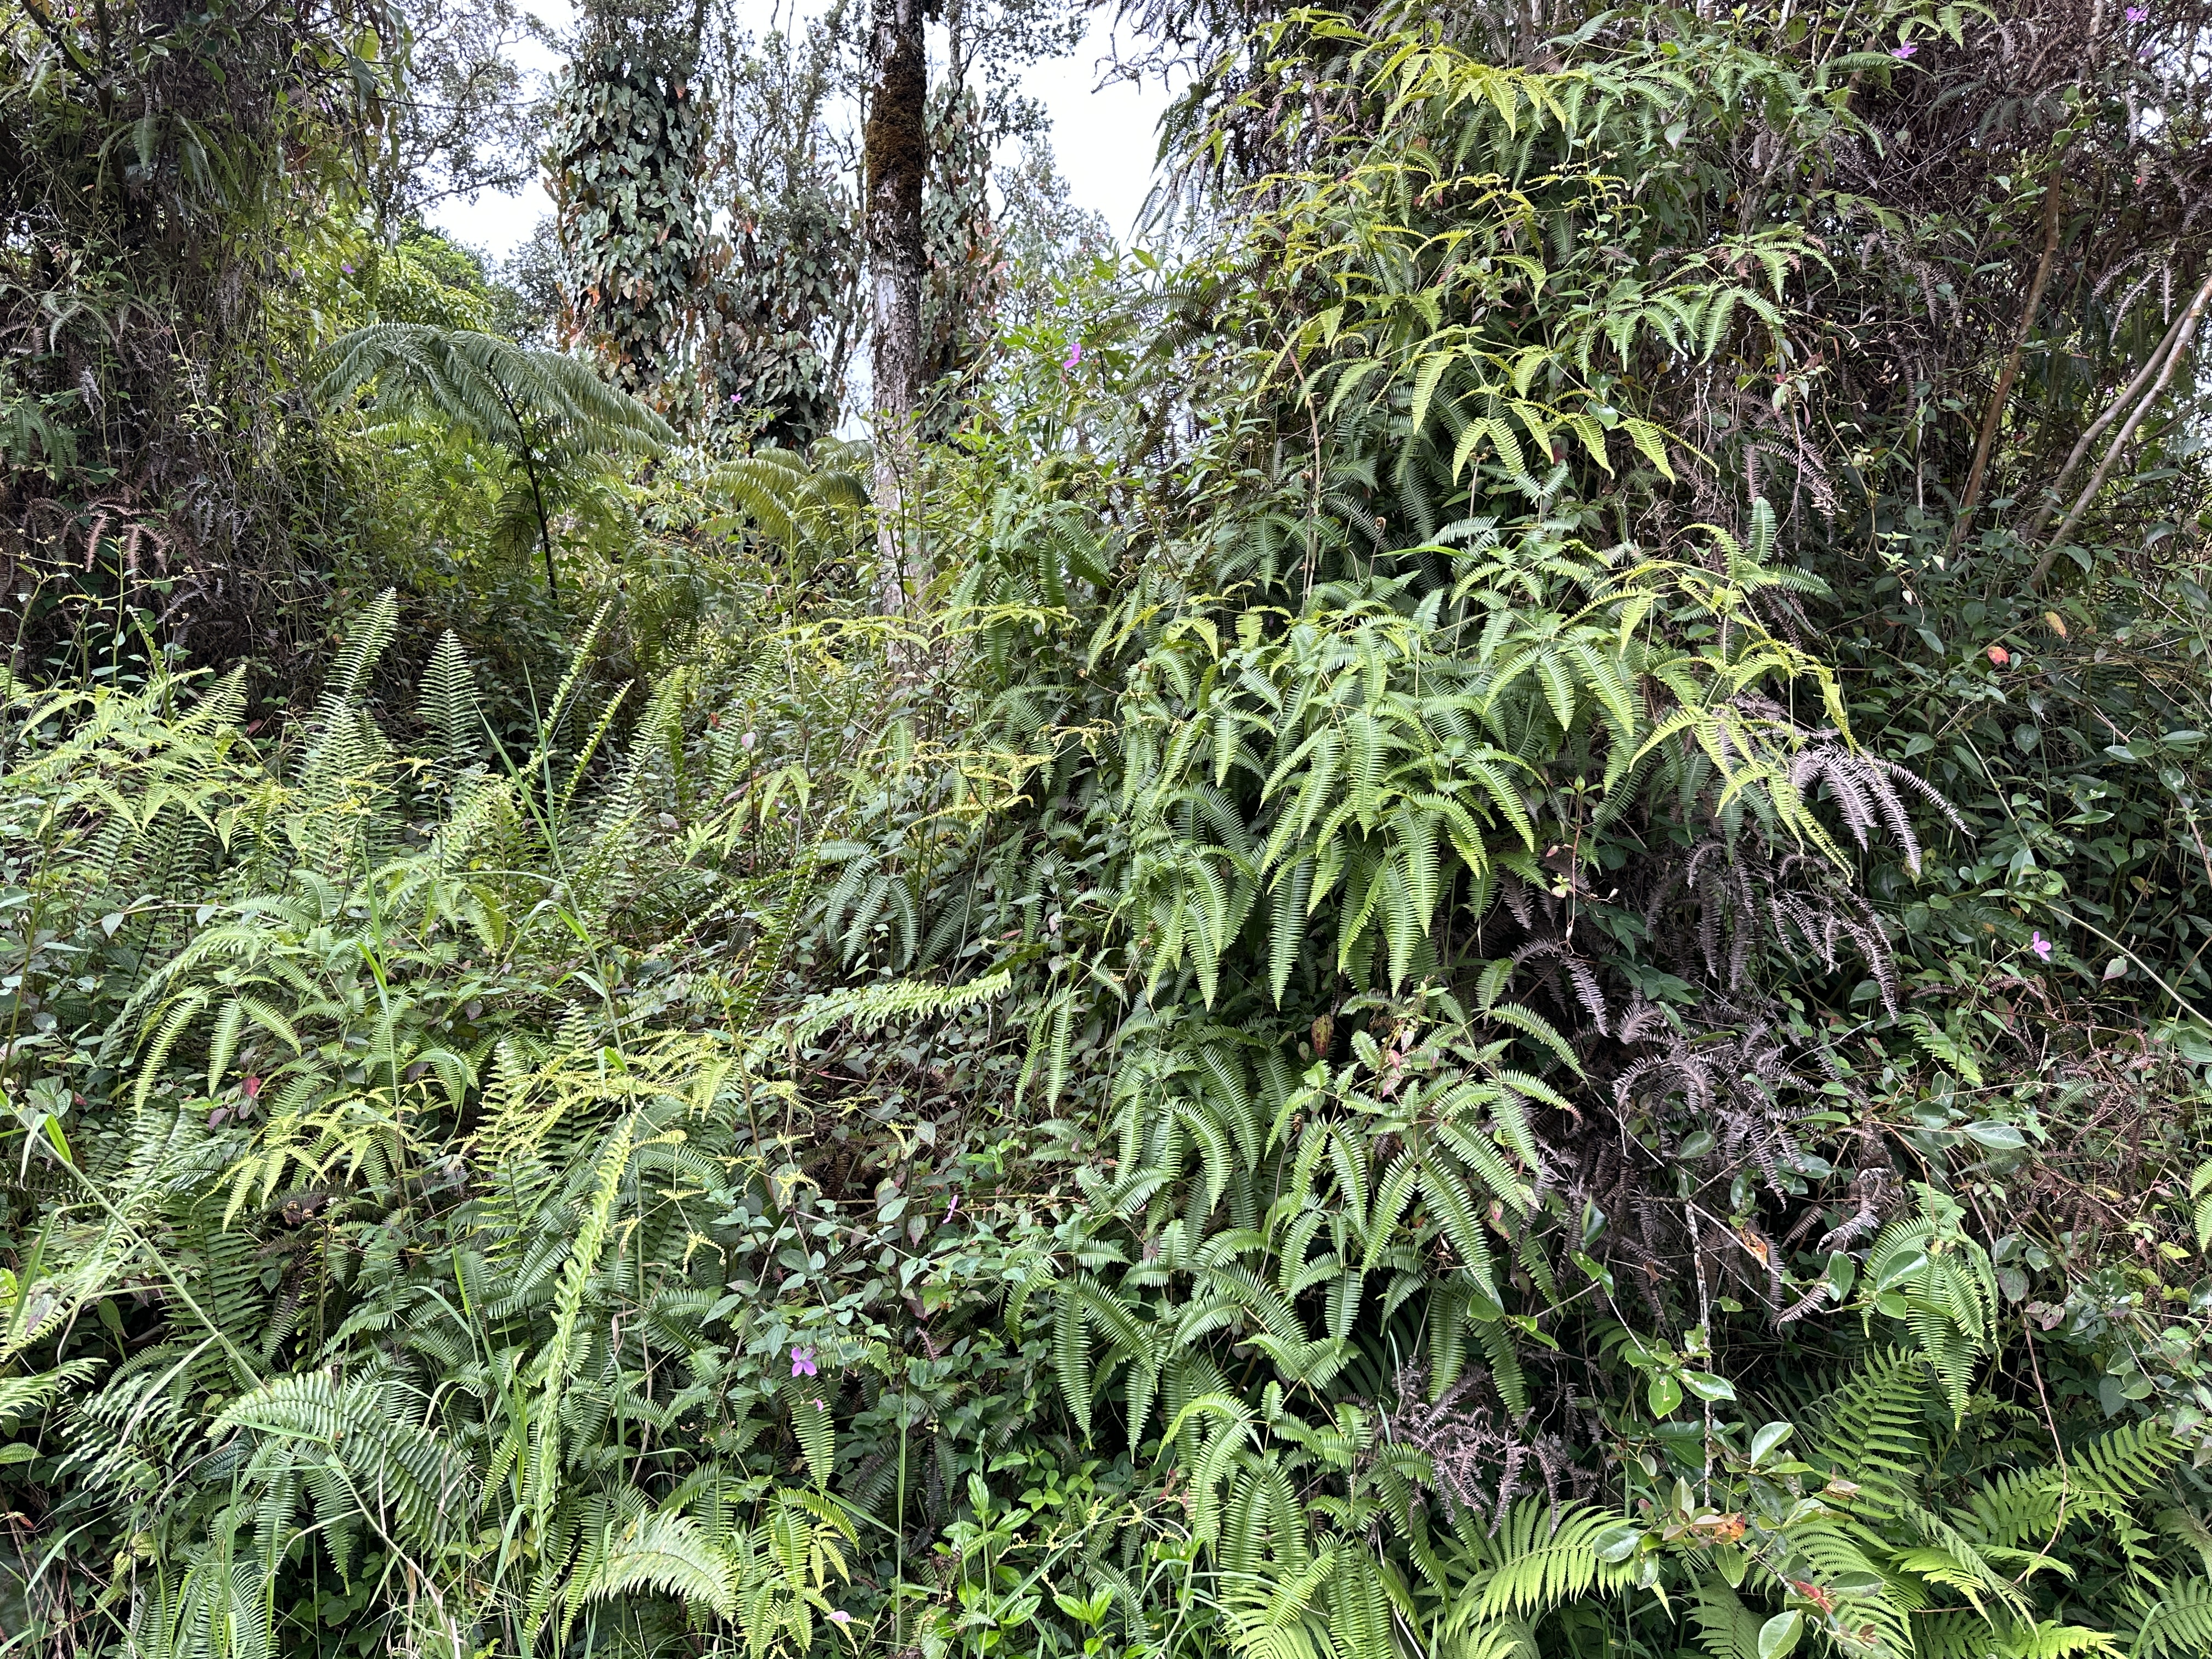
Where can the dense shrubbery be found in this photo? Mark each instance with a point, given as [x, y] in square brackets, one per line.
[1505, 967]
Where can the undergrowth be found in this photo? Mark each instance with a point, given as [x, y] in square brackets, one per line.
[1482, 979]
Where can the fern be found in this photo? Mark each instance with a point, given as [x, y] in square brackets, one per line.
[1540, 1558]
[399, 1477]
[1727, 1629]
[20, 1395]
[656, 1551]
[549, 411]
[2180, 1622]
[812, 1425]
[874, 1006]
[1869, 1430]
[1926, 1269]
[449, 707]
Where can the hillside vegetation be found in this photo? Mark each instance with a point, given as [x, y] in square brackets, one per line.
[1466, 916]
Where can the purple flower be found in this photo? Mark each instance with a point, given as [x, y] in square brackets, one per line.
[345, 268]
[839, 1616]
[1904, 51]
[2040, 945]
[952, 1207]
[802, 1362]
[1074, 356]
[2138, 14]
[733, 397]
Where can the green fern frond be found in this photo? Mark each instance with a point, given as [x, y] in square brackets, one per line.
[2179, 1624]
[505, 393]
[1727, 1629]
[874, 1006]
[401, 1476]
[812, 1425]
[1540, 1557]
[449, 707]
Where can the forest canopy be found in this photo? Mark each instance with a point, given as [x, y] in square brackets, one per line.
[1459, 914]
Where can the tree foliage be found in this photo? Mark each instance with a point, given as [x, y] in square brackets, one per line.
[627, 156]
[159, 169]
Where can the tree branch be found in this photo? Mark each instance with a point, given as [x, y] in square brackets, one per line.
[2186, 332]
[68, 49]
[2119, 405]
[1994, 415]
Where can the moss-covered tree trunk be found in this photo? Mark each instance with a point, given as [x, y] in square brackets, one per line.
[897, 144]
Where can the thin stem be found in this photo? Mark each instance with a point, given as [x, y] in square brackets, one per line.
[899, 1546]
[1994, 415]
[530, 470]
[2149, 972]
[2119, 406]
[2186, 330]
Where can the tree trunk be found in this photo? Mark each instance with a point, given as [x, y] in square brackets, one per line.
[897, 145]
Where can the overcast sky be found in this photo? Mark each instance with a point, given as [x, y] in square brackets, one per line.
[1102, 141]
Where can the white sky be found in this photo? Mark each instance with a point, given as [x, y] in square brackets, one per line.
[1102, 142]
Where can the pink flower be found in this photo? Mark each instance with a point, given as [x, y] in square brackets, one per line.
[1074, 356]
[802, 1362]
[2040, 945]
[1904, 51]
[953, 1207]
[839, 1616]
[2138, 14]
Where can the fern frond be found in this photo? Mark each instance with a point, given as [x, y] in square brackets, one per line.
[1543, 1557]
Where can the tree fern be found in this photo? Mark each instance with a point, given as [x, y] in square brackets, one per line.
[810, 504]
[548, 410]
